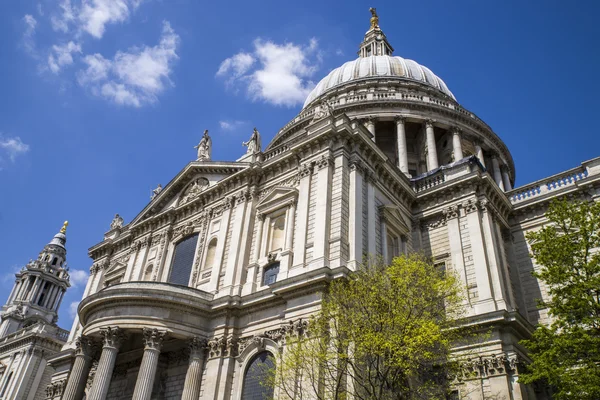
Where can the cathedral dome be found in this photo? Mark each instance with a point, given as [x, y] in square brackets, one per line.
[380, 66]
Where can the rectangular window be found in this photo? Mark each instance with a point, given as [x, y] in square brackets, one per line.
[181, 268]
[270, 274]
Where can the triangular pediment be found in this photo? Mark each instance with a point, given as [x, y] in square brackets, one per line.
[395, 216]
[187, 185]
[276, 198]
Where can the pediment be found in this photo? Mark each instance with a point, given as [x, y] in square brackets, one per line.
[396, 218]
[195, 178]
[277, 198]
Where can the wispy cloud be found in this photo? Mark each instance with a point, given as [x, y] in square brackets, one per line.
[92, 16]
[135, 77]
[78, 277]
[28, 35]
[62, 56]
[96, 14]
[11, 148]
[278, 74]
[231, 125]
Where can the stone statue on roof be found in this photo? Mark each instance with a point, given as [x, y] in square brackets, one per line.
[117, 222]
[156, 191]
[254, 145]
[204, 147]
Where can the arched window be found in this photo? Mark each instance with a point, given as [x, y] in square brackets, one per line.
[181, 268]
[255, 385]
[54, 261]
[276, 235]
[43, 295]
[148, 272]
[211, 252]
[270, 274]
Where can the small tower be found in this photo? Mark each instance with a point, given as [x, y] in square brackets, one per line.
[38, 289]
[375, 43]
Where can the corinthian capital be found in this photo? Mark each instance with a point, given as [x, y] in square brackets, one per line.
[153, 338]
[113, 337]
[84, 346]
[197, 345]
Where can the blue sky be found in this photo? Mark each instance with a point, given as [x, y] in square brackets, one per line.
[101, 100]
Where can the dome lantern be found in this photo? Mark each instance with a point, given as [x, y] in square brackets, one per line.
[375, 42]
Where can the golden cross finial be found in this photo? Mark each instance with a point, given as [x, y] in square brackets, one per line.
[64, 228]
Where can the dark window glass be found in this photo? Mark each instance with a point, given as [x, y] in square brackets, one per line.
[181, 267]
[270, 274]
[255, 380]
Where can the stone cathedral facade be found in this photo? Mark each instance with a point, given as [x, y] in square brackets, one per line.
[196, 293]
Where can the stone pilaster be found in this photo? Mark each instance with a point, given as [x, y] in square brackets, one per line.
[112, 340]
[153, 339]
[75, 388]
[193, 377]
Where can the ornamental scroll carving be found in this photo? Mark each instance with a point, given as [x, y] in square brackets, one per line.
[56, 389]
[486, 366]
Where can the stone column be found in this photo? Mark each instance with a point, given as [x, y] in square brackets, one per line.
[506, 178]
[479, 154]
[496, 172]
[432, 159]
[75, 388]
[402, 149]
[153, 339]
[370, 124]
[34, 289]
[193, 377]
[456, 144]
[112, 340]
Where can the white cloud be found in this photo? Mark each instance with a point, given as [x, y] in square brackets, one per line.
[236, 66]
[281, 75]
[96, 14]
[28, 41]
[62, 56]
[230, 125]
[61, 23]
[73, 309]
[11, 147]
[135, 77]
[78, 277]
[40, 10]
[98, 68]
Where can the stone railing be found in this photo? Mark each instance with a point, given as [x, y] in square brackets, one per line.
[62, 334]
[540, 188]
[444, 173]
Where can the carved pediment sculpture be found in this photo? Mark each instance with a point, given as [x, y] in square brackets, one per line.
[193, 190]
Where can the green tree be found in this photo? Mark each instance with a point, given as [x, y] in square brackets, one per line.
[385, 332]
[566, 354]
